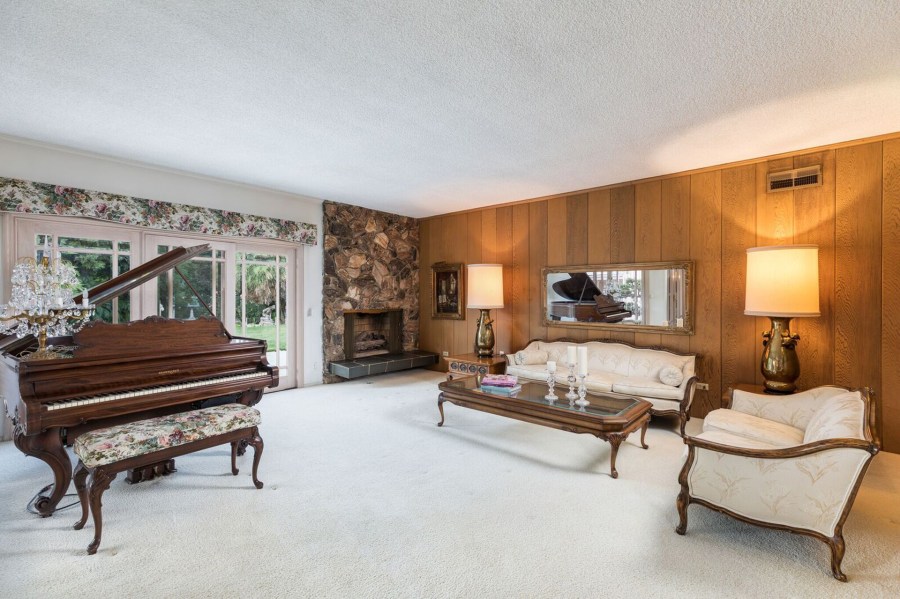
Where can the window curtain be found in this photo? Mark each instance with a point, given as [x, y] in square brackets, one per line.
[17, 195]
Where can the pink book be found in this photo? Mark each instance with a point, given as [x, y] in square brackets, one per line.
[500, 380]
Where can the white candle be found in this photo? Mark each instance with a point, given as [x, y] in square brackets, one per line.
[551, 366]
[47, 248]
[582, 361]
[570, 354]
[84, 300]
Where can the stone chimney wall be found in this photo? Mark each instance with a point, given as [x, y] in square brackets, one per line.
[371, 263]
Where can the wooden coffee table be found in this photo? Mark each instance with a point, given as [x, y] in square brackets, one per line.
[610, 416]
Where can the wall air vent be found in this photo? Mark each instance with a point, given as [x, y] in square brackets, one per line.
[807, 176]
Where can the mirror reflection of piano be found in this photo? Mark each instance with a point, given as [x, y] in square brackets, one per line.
[585, 301]
[117, 373]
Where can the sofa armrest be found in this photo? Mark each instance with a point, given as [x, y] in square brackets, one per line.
[684, 406]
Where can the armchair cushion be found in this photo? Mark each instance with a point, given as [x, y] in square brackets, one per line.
[754, 428]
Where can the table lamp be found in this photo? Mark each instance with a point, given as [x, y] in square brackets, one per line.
[782, 283]
[484, 291]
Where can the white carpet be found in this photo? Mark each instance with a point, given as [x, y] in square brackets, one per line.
[366, 497]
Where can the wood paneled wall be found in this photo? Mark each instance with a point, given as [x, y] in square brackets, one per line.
[711, 216]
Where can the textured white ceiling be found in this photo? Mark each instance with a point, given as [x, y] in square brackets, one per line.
[429, 106]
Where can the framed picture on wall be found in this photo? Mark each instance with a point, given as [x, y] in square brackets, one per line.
[447, 294]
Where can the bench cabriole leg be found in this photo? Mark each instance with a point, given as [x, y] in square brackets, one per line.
[256, 441]
[100, 481]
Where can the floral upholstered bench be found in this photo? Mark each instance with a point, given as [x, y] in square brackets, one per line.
[105, 452]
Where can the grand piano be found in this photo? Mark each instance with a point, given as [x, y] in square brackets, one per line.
[114, 373]
[585, 302]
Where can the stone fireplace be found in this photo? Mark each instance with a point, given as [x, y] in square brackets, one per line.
[370, 293]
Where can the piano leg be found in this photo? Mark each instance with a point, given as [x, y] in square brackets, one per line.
[48, 447]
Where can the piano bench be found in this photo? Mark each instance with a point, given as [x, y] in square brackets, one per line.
[103, 453]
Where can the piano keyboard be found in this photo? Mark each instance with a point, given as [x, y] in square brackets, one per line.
[74, 403]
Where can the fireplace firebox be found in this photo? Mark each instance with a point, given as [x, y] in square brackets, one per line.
[372, 333]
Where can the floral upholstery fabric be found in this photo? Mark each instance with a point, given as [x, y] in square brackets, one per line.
[115, 443]
[753, 427]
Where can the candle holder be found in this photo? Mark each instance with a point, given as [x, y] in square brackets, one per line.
[41, 304]
[581, 401]
[571, 395]
[551, 383]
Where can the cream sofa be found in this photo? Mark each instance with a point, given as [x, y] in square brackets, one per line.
[664, 378]
[790, 462]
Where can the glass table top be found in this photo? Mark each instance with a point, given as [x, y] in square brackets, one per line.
[602, 404]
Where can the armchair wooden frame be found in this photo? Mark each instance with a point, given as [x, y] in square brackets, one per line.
[871, 444]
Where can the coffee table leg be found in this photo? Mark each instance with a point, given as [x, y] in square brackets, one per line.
[441, 408]
[644, 432]
[615, 439]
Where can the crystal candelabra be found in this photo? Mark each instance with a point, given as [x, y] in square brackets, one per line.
[551, 381]
[41, 303]
[581, 401]
[571, 395]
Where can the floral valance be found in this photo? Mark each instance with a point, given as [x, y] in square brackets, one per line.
[41, 198]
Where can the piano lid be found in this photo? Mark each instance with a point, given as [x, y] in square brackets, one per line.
[139, 275]
[578, 287]
[120, 285]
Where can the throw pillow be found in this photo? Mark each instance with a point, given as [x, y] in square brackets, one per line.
[671, 375]
[531, 356]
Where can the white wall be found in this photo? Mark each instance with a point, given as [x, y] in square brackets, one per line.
[22, 159]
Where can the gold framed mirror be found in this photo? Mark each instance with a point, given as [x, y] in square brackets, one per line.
[652, 297]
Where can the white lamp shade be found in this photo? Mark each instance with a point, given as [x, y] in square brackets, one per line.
[485, 286]
[782, 280]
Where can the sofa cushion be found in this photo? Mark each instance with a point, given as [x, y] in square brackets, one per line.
[645, 388]
[839, 417]
[753, 427]
[671, 375]
[531, 372]
[732, 440]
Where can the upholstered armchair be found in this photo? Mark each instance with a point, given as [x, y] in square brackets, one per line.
[790, 462]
